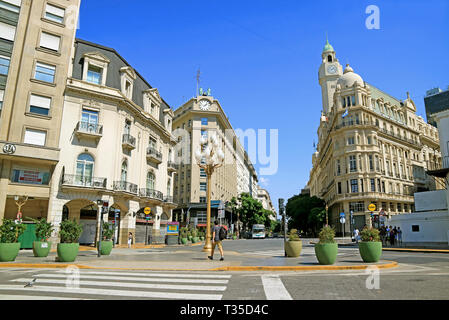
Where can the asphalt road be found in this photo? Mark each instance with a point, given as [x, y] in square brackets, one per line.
[419, 276]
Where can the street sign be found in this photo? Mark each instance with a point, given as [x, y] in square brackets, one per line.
[342, 220]
[342, 215]
[147, 210]
[372, 207]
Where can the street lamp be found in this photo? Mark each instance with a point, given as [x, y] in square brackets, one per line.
[209, 157]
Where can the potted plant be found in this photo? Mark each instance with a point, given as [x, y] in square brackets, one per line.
[69, 233]
[41, 247]
[234, 236]
[10, 232]
[195, 238]
[184, 235]
[327, 248]
[201, 235]
[370, 247]
[293, 246]
[106, 242]
[189, 234]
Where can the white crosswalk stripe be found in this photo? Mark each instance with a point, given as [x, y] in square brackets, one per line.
[49, 285]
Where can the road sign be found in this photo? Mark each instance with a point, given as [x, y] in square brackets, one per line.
[147, 210]
[372, 207]
[342, 215]
[342, 220]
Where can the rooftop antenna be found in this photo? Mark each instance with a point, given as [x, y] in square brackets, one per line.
[198, 75]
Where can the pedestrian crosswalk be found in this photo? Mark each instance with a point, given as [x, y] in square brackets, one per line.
[58, 284]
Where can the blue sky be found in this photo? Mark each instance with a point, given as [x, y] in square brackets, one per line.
[261, 58]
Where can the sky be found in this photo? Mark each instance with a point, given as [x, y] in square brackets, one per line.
[261, 59]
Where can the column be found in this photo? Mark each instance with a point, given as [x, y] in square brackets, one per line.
[4, 180]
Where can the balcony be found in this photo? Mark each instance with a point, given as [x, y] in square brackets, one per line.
[151, 194]
[128, 142]
[153, 155]
[171, 166]
[124, 186]
[440, 170]
[89, 130]
[85, 182]
[400, 137]
[169, 199]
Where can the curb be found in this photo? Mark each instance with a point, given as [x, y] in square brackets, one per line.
[416, 250]
[391, 264]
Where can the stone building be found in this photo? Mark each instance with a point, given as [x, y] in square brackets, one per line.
[36, 44]
[373, 148]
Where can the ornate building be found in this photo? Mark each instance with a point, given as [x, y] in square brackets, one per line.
[373, 148]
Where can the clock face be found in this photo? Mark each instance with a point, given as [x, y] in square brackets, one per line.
[204, 105]
[332, 69]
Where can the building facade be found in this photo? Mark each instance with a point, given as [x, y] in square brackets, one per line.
[116, 147]
[204, 116]
[436, 100]
[36, 44]
[264, 197]
[373, 148]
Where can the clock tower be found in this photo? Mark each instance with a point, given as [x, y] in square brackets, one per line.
[330, 71]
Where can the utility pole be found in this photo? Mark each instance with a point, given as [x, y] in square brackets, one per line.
[282, 213]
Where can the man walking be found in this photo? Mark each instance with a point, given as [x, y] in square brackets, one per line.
[216, 241]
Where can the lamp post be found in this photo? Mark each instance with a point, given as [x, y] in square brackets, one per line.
[211, 152]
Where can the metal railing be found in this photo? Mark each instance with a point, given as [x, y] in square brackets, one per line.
[400, 137]
[129, 139]
[171, 164]
[87, 127]
[169, 199]
[151, 193]
[154, 153]
[83, 181]
[125, 186]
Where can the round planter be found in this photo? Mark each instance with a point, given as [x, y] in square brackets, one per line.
[9, 251]
[370, 251]
[41, 248]
[106, 247]
[190, 238]
[326, 253]
[67, 252]
[195, 239]
[184, 240]
[293, 248]
[234, 237]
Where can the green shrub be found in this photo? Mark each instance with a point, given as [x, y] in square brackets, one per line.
[70, 231]
[370, 234]
[10, 231]
[194, 233]
[327, 235]
[108, 231]
[184, 232]
[43, 229]
[293, 235]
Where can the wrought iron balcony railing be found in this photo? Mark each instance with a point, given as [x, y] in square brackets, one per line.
[172, 165]
[89, 128]
[125, 186]
[153, 153]
[151, 193]
[129, 140]
[83, 181]
[169, 199]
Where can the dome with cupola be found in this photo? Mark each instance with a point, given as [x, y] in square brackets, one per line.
[349, 77]
[328, 47]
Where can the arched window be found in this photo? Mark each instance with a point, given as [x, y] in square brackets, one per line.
[150, 180]
[84, 169]
[124, 172]
[168, 187]
[329, 58]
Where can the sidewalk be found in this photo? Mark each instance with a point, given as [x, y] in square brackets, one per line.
[191, 258]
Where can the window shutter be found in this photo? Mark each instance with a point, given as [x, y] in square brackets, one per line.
[2, 92]
[50, 41]
[35, 137]
[39, 101]
[7, 31]
[55, 10]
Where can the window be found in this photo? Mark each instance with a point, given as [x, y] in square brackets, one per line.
[350, 140]
[203, 186]
[354, 186]
[373, 185]
[94, 74]
[30, 176]
[127, 129]
[36, 137]
[329, 58]
[128, 89]
[339, 187]
[4, 65]
[54, 13]
[371, 164]
[352, 164]
[353, 100]
[369, 140]
[415, 228]
[202, 199]
[152, 143]
[84, 169]
[399, 207]
[50, 41]
[204, 121]
[45, 72]
[405, 207]
[7, 31]
[151, 180]
[357, 206]
[202, 173]
[338, 168]
[40, 104]
[2, 92]
[124, 171]
[89, 117]
[11, 5]
[204, 133]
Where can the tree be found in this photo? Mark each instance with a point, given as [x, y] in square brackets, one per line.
[306, 213]
[249, 210]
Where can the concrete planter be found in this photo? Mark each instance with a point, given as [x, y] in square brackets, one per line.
[106, 247]
[326, 253]
[234, 237]
[41, 248]
[293, 248]
[67, 252]
[9, 251]
[370, 251]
